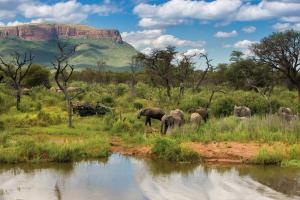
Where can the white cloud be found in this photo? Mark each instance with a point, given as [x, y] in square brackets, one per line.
[249, 29]
[191, 52]
[281, 26]
[182, 10]
[223, 11]
[70, 11]
[268, 9]
[221, 34]
[156, 39]
[243, 44]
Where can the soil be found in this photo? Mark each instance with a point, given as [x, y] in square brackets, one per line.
[213, 152]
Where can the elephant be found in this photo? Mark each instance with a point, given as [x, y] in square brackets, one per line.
[169, 122]
[201, 111]
[177, 112]
[151, 113]
[242, 111]
[196, 118]
[175, 118]
[287, 114]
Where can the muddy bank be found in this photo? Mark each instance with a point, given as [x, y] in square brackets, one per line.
[213, 152]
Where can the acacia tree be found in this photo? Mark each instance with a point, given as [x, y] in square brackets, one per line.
[63, 73]
[16, 70]
[160, 68]
[281, 51]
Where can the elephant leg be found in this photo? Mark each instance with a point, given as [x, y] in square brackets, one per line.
[148, 121]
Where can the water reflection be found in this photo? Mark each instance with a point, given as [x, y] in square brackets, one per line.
[129, 178]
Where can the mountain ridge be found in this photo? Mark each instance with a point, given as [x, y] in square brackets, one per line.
[44, 31]
[93, 44]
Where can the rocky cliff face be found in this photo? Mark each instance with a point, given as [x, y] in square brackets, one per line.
[40, 32]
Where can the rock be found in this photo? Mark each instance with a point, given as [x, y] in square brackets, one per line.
[44, 31]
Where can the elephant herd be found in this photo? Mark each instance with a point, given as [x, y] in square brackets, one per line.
[197, 116]
[174, 119]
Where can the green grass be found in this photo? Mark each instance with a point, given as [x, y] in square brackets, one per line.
[268, 157]
[168, 149]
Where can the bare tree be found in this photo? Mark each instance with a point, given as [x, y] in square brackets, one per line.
[63, 73]
[201, 78]
[16, 70]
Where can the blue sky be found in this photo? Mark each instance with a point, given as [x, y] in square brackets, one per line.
[194, 26]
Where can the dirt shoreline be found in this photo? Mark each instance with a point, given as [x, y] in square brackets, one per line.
[213, 152]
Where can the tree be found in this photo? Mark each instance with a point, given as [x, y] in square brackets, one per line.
[160, 68]
[236, 56]
[185, 68]
[63, 73]
[281, 51]
[202, 76]
[136, 65]
[37, 75]
[238, 73]
[16, 70]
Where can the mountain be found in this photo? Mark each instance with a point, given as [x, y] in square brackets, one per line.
[93, 44]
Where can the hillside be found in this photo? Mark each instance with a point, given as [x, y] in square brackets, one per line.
[93, 44]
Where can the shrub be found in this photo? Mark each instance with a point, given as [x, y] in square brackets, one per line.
[138, 105]
[2, 126]
[223, 106]
[172, 151]
[108, 100]
[192, 102]
[121, 89]
[121, 126]
[6, 102]
[28, 105]
[267, 157]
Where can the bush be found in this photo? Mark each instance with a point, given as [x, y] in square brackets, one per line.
[108, 100]
[267, 157]
[6, 102]
[223, 106]
[192, 102]
[121, 89]
[172, 151]
[28, 105]
[2, 126]
[121, 126]
[138, 105]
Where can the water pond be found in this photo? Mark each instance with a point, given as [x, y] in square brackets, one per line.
[129, 178]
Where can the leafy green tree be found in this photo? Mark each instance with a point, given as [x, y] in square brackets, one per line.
[241, 72]
[160, 68]
[236, 56]
[37, 75]
[281, 51]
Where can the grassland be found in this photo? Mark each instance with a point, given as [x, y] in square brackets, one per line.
[39, 132]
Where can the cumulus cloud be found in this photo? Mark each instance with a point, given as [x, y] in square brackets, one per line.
[221, 34]
[70, 11]
[243, 45]
[223, 11]
[281, 26]
[182, 10]
[249, 29]
[156, 38]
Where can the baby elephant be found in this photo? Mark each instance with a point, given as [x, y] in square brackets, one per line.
[242, 111]
[287, 114]
[201, 111]
[151, 113]
[174, 119]
[196, 119]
